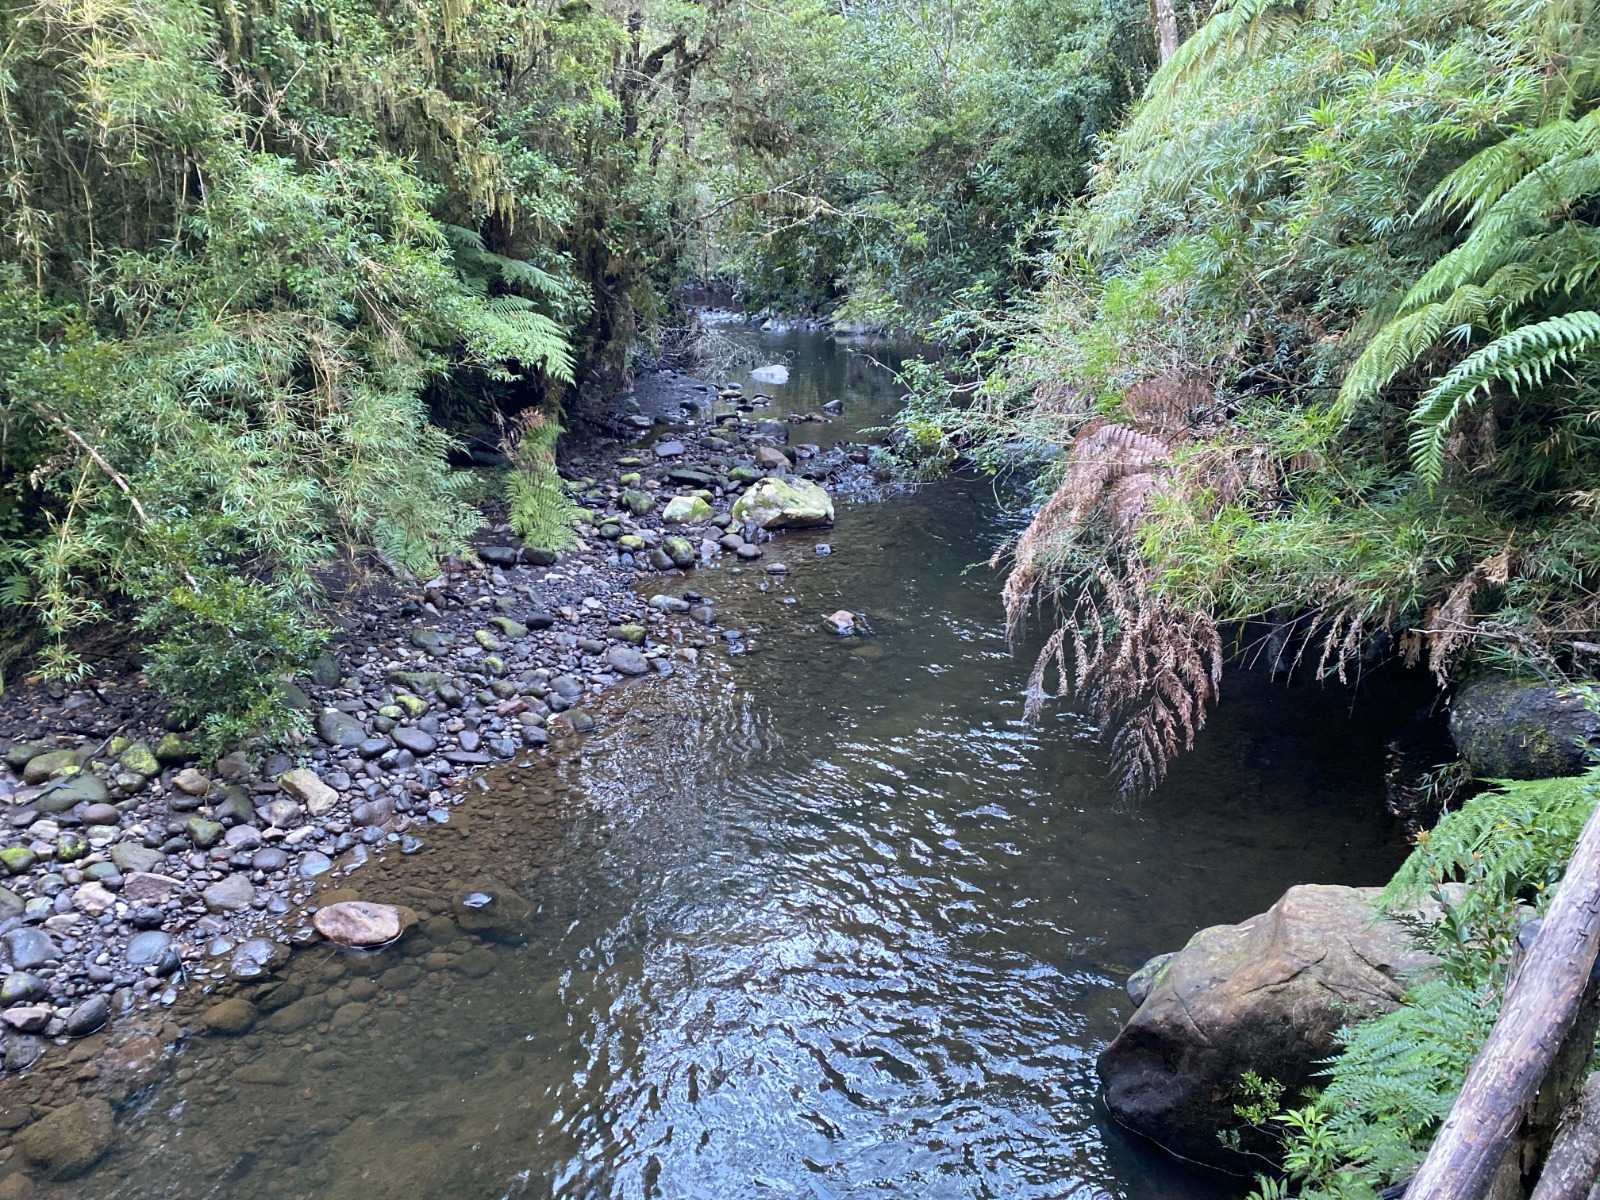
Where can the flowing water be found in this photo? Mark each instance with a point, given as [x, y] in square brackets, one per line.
[820, 919]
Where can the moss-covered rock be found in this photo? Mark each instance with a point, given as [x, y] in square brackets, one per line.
[784, 503]
[139, 759]
[686, 510]
[1522, 729]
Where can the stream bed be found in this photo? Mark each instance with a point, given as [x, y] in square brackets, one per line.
[813, 917]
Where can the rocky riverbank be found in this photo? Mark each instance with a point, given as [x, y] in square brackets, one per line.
[136, 870]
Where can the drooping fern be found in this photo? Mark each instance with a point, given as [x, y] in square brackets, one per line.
[1525, 275]
[1524, 358]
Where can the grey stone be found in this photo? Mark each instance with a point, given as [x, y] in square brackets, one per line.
[228, 894]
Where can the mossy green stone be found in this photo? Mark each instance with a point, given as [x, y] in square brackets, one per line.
[414, 705]
[70, 849]
[679, 550]
[494, 665]
[487, 640]
[637, 502]
[139, 759]
[631, 633]
[17, 757]
[51, 764]
[512, 629]
[686, 510]
[17, 859]
[630, 541]
[629, 479]
[393, 711]
[172, 749]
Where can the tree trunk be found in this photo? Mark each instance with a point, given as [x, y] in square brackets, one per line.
[1572, 1171]
[1523, 1046]
[1166, 22]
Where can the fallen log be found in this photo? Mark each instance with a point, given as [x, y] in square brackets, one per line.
[1525, 1042]
[1572, 1168]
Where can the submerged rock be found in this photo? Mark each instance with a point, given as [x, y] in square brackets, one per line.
[1522, 729]
[68, 1141]
[1266, 995]
[359, 923]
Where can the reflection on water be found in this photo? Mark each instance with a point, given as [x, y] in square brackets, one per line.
[822, 919]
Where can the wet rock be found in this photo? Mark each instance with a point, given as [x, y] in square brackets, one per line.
[672, 448]
[148, 948]
[230, 1017]
[359, 923]
[637, 502]
[417, 741]
[303, 784]
[784, 503]
[492, 909]
[67, 1142]
[21, 988]
[775, 373]
[1267, 995]
[89, 1016]
[28, 948]
[842, 622]
[1146, 977]
[16, 859]
[1520, 729]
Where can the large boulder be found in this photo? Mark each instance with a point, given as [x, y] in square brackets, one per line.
[1522, 729]
[1266, 995]
[784, 504]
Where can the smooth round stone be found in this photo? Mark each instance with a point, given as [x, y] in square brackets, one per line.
[148, 948]
[358, 923]
[101, 814]
[269, 859]
[314, 863]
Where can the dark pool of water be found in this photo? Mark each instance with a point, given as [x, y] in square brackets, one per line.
[824, 919]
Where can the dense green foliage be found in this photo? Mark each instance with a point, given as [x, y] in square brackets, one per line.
[892, 156]
[1319, 348]
[261, 259]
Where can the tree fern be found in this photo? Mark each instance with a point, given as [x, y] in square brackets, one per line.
[1524, 358]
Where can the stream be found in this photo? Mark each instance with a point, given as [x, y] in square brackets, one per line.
[813, 917]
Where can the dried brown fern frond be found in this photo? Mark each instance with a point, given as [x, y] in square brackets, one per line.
[1147, 669]
[1449, 627]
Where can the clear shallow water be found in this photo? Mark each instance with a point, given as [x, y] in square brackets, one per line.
[820, 920]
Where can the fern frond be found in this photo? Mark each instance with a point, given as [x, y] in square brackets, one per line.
[1522, 358]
